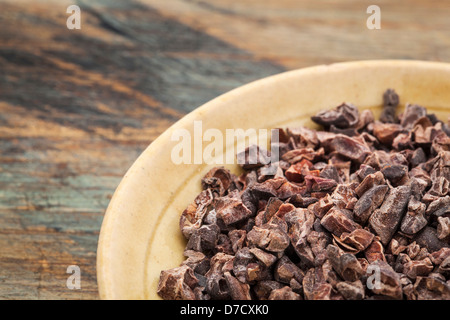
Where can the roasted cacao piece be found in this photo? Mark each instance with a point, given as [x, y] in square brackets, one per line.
[439, 207]
[351, 148]
[284, 293]
[237, 238]
[386, 132]
[264, 288]
[398, 244]
[375, 251]
[238, 290]
[400, 262]
[431, 288]
[337, 222]
[402, 141]
[412, 113]
[217, 286]
[197, 261]
[286, 270]
[231, 209]
[443, 228]
[390, 98]
[301, 202]
[415, 219]
[438, 256]
[386, 220]
[444, 267]
[413, 249]
[344, 116]
[388, 283]
[314, 184]
[271, 208]
[318, 241]
[204, 239]
[269, 237]
[191, 218]
[321, 207]
[394, 173]
[253, 157]
[315, 288]
[429, 239]
[277, 187]
[359, 239]
[351, 290]
[241, 261]
[264, 257]
[417, 157]
[344, 196]
[177, 284]
[330, 172]
[390, 103]
[346, 265]
[415, 268]
[369, 201]
[303, 137]
[303, 154]
[369, 181]
[218, 180]
[366, 117]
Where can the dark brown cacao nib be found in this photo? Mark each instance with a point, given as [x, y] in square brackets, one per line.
[390, 103]
[337, 222]
[177, 284]
[412, 113]
[351, 148]
[385, 221]
[253, 157]
[285, 293]
[230, 209]
[369, 201]
[344, 116]
[389, 281]
[429, 239]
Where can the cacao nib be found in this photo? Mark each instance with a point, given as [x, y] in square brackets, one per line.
[351, 290]
[177, 284]
[412, 113]
[337, 222]
[285, 293]
[230, 209]
[253, 157]
[344, 116]
[369, 201]
[390, 103]
[264, 288]
[429, 239]
[414, 219]
[389, 281]
[385, 221]
[351, 148]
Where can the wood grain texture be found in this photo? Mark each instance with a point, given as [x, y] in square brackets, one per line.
[77, 107]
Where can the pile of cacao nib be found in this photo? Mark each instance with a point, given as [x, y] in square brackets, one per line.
[357, 210]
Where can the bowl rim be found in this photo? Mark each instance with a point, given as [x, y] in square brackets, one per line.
[110, 217]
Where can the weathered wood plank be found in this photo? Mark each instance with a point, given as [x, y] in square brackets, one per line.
[299, 33]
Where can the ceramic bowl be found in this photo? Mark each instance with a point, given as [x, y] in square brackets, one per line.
[140, 233]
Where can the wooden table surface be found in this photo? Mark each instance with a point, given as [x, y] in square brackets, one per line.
[77, 107]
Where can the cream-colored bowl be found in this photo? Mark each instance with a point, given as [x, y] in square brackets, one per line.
[140, 234]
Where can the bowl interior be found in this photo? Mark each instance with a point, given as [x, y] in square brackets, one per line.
[140, 234]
